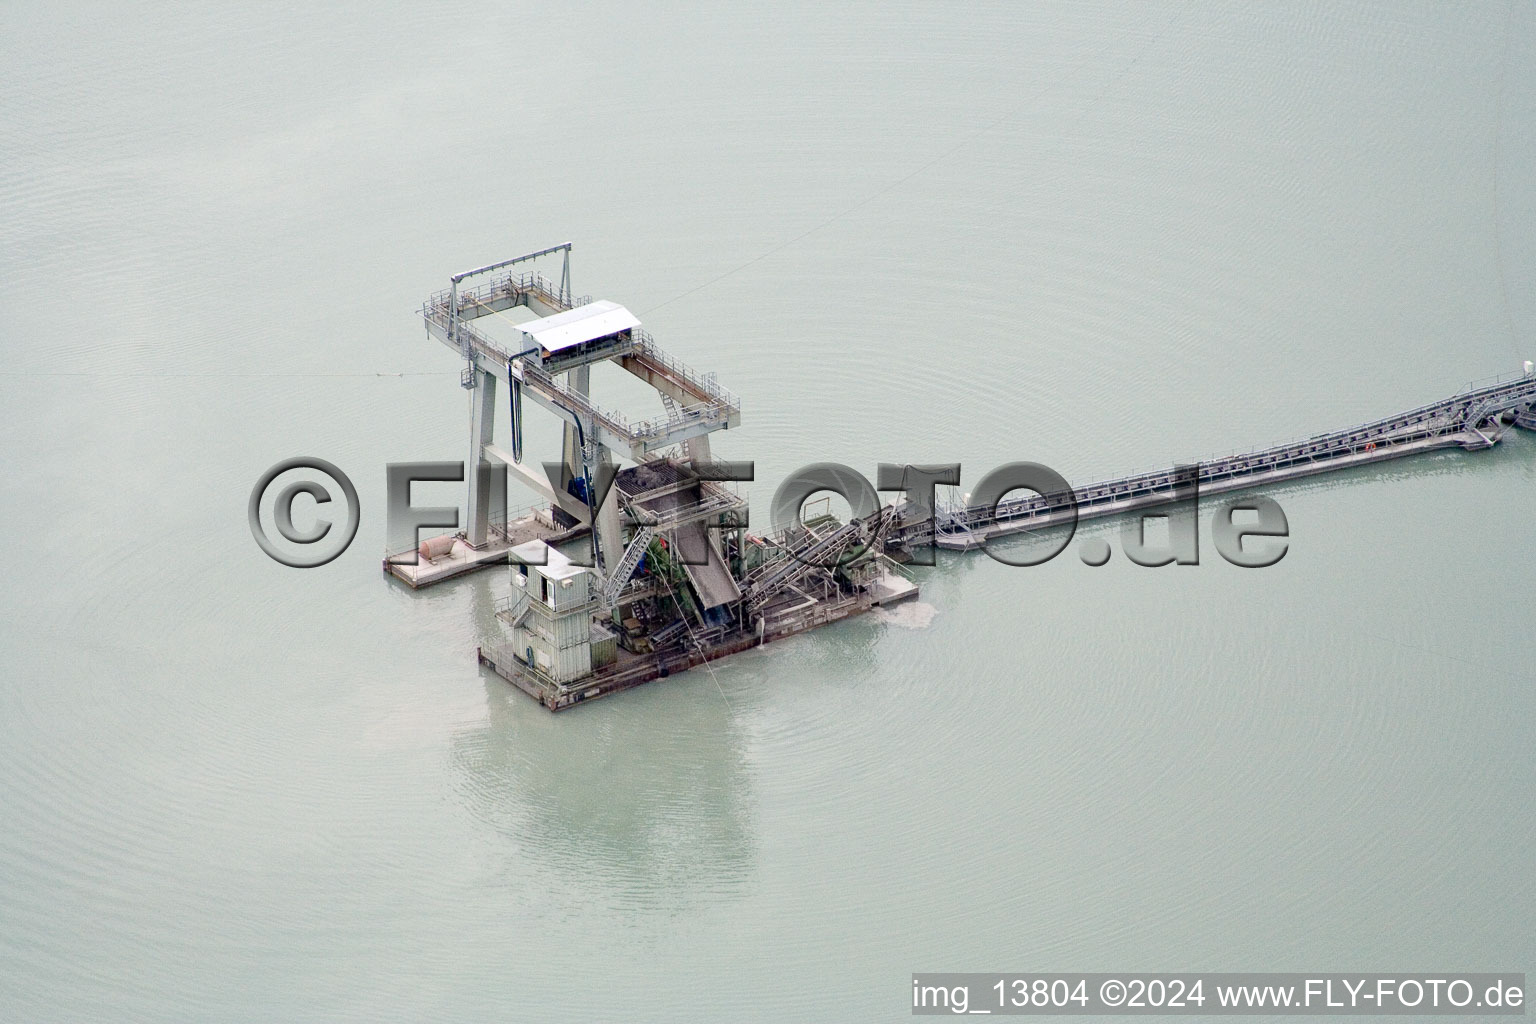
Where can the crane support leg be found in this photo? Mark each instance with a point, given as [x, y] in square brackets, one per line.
[481, 433]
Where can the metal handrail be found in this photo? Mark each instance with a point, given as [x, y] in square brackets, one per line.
[509, 284]
[1321, 448]
[435, 310]
[584, 405]
[718, 502]
[1441, 419]
[704, 382]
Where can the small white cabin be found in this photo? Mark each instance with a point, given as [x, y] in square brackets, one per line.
[551, 612]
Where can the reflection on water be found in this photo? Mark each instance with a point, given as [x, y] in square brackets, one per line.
[640, 799]
[641, 806]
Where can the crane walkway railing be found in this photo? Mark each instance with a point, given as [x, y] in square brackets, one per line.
[513, 288]
[715, 501]
[719, 407]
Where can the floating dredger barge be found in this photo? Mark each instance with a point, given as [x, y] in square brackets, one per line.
[624, 575]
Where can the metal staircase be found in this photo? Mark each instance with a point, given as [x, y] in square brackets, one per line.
[627, 564]
[810, 553]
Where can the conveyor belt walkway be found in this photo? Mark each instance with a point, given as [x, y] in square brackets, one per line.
[1474, 419]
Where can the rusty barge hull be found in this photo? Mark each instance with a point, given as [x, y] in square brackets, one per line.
[632, 670]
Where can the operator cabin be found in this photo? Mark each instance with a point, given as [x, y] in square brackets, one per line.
[586, 334]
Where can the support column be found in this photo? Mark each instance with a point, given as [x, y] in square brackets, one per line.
[610, 531]
[580, 381]
[481, 433]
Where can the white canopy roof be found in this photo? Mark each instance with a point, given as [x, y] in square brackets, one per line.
[574, 326]
[549, 562]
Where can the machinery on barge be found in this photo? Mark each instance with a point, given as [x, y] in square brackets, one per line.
[627, 573]
[621, 575]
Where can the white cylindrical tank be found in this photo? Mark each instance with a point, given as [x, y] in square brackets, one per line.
[1529, 367]
[435, 547]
